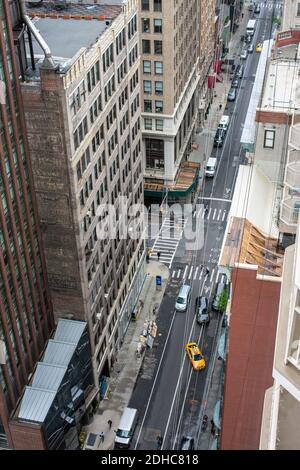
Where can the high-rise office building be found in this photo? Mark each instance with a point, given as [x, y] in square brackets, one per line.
[82, 107]
[170, 42]
[25, 308]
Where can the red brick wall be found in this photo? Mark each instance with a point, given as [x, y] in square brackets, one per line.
[249, 364]
[26, 436]
[272, 117]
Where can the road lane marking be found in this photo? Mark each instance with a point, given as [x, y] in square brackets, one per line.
[184, 274]
[216, 199]
[179, 377]
[190, 273]
[224, 215]
[154, 383]
[195, 274]
[185, 395]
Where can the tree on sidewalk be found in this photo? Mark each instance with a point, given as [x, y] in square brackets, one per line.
[223, 299]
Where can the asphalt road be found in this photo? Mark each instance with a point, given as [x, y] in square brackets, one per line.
[168, 393]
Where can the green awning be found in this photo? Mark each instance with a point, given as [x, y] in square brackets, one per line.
[172, 193]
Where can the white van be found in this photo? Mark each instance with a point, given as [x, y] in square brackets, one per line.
[210, 168]
[183, 298]
[126, 428]
[224, 123]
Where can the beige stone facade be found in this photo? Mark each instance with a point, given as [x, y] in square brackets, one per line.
[176, 43]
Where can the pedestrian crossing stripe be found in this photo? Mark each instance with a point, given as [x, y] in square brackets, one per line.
[193, 273]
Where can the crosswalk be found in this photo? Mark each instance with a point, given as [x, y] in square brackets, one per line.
[213, 214]
[168, 239]
[170, 233]
[269, 5]
[197, 273]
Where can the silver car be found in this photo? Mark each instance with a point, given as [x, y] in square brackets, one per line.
[250, 48]
[232, 94]
[244, 54]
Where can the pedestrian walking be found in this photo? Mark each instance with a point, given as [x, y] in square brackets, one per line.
[159, 440]
[213, 427]
[109, 422]
[101, 436]
[242, 15]
[220, 106]
[158, 255]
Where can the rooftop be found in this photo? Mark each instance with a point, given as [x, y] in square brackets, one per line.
[80, 34]
[282, 91]
[107, 9]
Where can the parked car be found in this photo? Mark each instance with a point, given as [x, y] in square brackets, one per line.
[231, 94]
[244, 54]
[239, 71]
[195, 356]
[250, 48]
[187, 443]
[202, 313]
[219, 137]
[235, 82]
[220, 287]
[258, 47]
[224, 123]
[248, 38]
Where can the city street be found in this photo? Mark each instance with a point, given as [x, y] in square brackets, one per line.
[169, 395]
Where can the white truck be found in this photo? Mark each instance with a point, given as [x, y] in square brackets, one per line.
[251, 27]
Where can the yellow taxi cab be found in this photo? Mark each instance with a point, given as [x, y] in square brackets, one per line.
[195, 356]
[258, 47]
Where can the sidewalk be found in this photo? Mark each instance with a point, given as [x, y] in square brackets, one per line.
[127, 368]
[205, 138]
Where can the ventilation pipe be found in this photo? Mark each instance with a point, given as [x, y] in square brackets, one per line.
[48, 61]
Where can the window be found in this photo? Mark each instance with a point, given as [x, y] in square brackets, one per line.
[159, 106]
[157, 26]
[147, 86]
[147, 106]
[158, 47]
[157, 5]
[159, 124]
[145, 5]
[146, 44]
[145, 25]
[158, 68]
[155, 154]
[298, 9]
[159, 89]
[146, 66]
[269, 139]
[148, 124]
